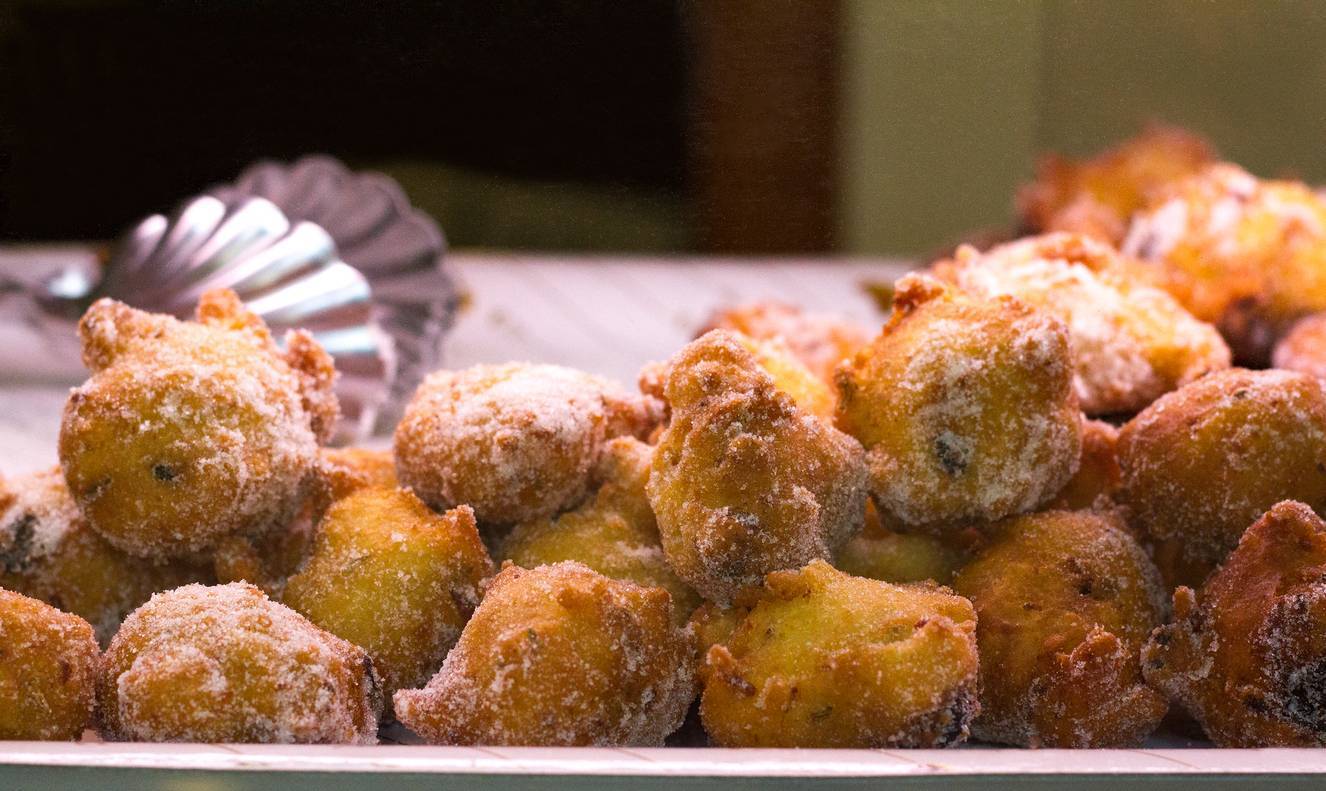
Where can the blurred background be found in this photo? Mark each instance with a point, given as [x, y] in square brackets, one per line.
[729, 126]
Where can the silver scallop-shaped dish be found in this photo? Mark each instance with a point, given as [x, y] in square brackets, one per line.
[289, 273]
[399, 249]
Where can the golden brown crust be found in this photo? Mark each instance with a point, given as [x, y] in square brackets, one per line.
[48, 670]
[515, 442]
[1064, 601]
[743, 481]
[1246, 656]
[1131, 341]
[1096, 196]
[1246, 254]
[1098, 475]
[1303, 348]
[614, 532]
[559, 656]
[818, 658]
[48, 552]
[394, 578]
[820, 341]
[227, 664]
[1202, 463]
[965, 407]
[188, 432]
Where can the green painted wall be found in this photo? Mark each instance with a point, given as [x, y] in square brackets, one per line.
[946, 103]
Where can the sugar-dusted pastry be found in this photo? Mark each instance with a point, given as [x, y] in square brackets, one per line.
[744, 481]
[614, 532]
[965, 406]
[1096, 196]
[48, 670]
[1246, 654]
[394, 578]
[1098, 475]
[514, 442]
[1200, 464]
[820, 658]
[190, 432]
[226, 664]
[47, 551]
[1244, 253]
[559, 655]
[1064, 601]
[819, 340]
[1131, 341]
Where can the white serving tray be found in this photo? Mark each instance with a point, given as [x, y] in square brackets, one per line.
[609, 317]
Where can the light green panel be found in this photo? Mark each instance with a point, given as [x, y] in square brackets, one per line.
[939, 118]
[946, 103]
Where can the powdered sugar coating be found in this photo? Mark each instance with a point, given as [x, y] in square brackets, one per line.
[743, 481]
[1203, 462]
[559, 655]
[47, 551]
[1246, 656]
[1247, 254]
[48, 667]
[227, 664]
[965, 407]
[1131, 342]
[190, 432]
[516, 441]
[819, 340]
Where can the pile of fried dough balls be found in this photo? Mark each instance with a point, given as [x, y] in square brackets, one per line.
[1040, 507]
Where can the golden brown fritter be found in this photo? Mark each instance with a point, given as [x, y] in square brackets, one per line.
[47, 551]
[819, 340]
[395, 579]
[1202, 463]
[1131, 341]
[559, 656]
[613, 533]
[515, 442]
[1064, 601]
[743, 481]
[1246, 655]
[48, 670]
[268, 560]
[1098, 475]
[1303, 348]
[1097, 196]
[187, 433]
[341, 472]
[965, 407]
[1246, 254]
[227, 664]
[825, 659]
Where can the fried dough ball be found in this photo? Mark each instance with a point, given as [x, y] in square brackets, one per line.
[187, 433]
[48, 671]
[515, 442]
[965, 407]
[1096, 196]
[559, 656]
[227, 664]
[344, 471]
[1132, 342]
[1064, 601]
[900, 558]
[743, 481]
[1202, 463]
[819, 340]
[269, 560]
[1098, 475]
[395, 579]
[47, 551]
[1303, 348]
[1246, 655]
[1246, 254]
[825, 659]
[614, 533]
